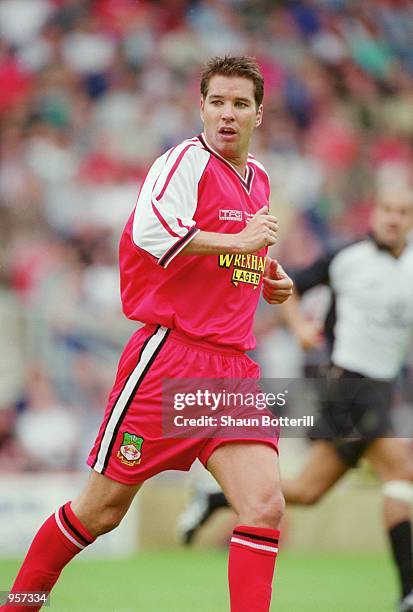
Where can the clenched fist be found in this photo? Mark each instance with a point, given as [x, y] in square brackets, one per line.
[277, 285]
[260, 232]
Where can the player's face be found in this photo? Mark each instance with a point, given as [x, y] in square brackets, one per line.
[229, 114]
[393, 220]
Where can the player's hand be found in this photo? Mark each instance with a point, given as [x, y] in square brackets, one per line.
[277, 285]
[309, 334]
[260, 232]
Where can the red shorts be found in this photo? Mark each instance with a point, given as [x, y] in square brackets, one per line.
[130, 446]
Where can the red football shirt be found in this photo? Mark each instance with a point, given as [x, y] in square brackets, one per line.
[213, 297]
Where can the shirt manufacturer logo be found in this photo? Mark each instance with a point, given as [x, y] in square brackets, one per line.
[225, 214]
[230, 215]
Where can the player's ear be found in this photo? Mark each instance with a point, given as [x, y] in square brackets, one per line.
[201, 108]
[258, 119]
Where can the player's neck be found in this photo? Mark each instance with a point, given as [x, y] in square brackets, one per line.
[396, 251]
[240, 167]
[239, 163]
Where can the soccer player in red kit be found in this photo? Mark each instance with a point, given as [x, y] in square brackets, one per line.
[193, 257]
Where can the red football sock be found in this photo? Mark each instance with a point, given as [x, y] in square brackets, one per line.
[252, 555]
[58, 540]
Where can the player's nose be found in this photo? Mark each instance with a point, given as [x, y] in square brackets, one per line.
[228, 111]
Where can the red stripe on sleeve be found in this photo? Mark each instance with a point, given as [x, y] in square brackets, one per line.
[172, 171]
[164, 223]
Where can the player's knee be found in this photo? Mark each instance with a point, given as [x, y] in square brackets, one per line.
[403, 472]
[108, 519]
[266, 511]
[408, 472]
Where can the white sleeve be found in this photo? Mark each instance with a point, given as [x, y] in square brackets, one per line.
[163, 221]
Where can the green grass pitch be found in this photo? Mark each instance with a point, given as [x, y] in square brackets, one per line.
[195, 581]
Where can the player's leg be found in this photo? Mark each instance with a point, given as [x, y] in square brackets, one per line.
[249, 476]
[103, 503]
[392, 460]
[321, 471]
[98, 509]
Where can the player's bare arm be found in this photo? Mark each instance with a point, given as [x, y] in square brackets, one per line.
[260, 232]
[308, 333]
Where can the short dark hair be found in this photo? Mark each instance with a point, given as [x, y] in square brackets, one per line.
[234, 66]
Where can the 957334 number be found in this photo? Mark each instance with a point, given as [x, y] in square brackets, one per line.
[24, 598]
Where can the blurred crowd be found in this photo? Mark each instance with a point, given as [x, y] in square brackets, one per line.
[91, 91]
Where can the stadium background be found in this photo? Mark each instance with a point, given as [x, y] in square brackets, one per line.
[90, 93]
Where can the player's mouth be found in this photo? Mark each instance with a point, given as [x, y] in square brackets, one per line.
[227, 133]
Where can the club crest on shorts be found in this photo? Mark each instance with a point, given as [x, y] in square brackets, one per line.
[130, 450]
